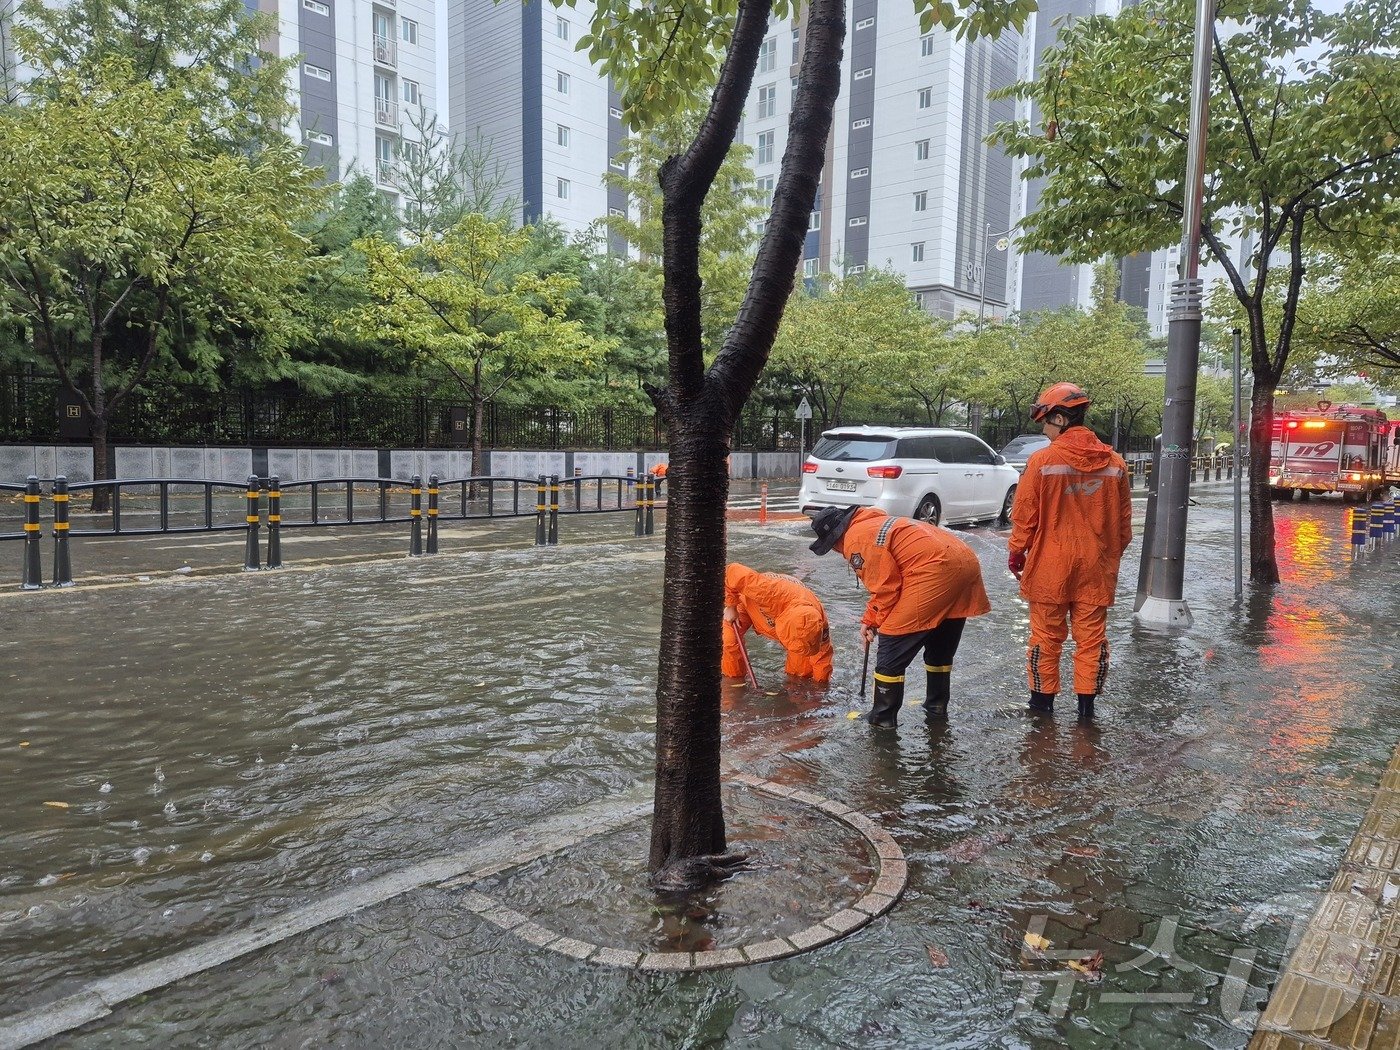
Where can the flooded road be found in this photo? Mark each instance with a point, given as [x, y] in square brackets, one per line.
[187, 756]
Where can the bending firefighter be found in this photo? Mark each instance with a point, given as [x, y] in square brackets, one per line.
[924, 583]
[780, 608]
[1071, 522]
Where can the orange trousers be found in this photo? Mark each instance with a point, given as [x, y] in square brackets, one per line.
[801, 630]
[1051, 624]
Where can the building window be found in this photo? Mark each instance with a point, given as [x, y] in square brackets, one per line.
[768, 55]
[767, 101]
[921, 149]
[926, 98]
[320, 138]
[815, 221]
[764, 153]
[765, 188]
[863, 74]
[617, 165]
[859, 173]
[561, 81]
[857, 220]
[925, 46]
[316, 7]
[809, 267]
[562, 136]
[564, 187]
[796, 42]
[921, 201]
[916, 251]
[793, 84]
[384, 159]
[316, 71]
[617, 213]
[857, 268]
[408, 30]
[865, 23]
[864, 122]
[615, 113]
[411, 93]
[761, 227]
[919, 299]
[561, 28]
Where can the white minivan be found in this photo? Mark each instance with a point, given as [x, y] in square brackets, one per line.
[937, 475]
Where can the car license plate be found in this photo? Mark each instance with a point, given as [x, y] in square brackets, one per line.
[840, 486]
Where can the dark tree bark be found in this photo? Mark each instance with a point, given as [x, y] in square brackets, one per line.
[699, 408]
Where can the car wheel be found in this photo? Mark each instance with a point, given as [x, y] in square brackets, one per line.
[929, 509]
[1004, 518]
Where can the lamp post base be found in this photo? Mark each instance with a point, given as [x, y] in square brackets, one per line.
[1164, 612]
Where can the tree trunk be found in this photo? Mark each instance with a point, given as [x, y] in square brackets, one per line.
[688, 820]
[1263, 563]
[102, 495]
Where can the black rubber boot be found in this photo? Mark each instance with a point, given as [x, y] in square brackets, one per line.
[889, 698]
[936, 699]
[1042, 701]
[1086, 704]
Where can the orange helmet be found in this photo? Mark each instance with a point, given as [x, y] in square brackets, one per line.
[1058, 396]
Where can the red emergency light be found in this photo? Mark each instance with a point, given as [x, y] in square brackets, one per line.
[1314, 424]
[1292, 424]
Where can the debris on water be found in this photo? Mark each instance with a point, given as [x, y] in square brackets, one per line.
[47, 880]
[105, 789]
[24, 743]
[1036, 943]
[57, 805]
[141, 854]
[160, 775]
[184, 570]
[1091, 966]
[167, 913]
[332, 977]
[1082, 851]
[206, 857]
[936, 955]
[169, 809]
[853, 715]
[143, 579]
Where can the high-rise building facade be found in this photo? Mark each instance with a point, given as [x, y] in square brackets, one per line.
[366, 85]
[910, 183]
[548, 117]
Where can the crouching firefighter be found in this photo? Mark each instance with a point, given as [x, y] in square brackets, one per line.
[1071, 522]
[924, 584]
[780, 608]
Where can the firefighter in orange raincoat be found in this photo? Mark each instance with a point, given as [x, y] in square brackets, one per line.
[1071, 522]
[924, 584]
[780, 608]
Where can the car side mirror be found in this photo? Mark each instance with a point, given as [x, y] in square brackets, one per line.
[999, 459]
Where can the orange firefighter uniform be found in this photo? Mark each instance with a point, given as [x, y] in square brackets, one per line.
[924, 584]
[1071, 522]
[659, 471]
[776, 607]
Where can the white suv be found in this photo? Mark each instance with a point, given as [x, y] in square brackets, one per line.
[942, 476]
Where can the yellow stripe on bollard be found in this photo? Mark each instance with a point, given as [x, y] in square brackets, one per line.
[60, 497]
[60, 526]
[274, 517]
[252, 518]
[30, 499]
[30, 526]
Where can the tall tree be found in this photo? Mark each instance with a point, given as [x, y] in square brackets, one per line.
[1302, 152]
[654, 52]
[465, 304]
[114, 216]
[445, 177]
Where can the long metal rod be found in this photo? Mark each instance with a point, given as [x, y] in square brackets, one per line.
[1165, 560]
[1236, 420]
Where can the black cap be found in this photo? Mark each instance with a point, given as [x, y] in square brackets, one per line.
[830, 524]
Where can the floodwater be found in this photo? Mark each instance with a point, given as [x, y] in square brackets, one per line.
[226, 747]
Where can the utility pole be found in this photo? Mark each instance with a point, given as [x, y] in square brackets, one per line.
[1164, 563]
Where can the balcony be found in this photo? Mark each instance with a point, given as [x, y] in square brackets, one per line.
[386, 52]
[386, 113]
[384, 172]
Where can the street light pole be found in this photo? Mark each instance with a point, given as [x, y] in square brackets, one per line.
[982, 273]
[1164, 562]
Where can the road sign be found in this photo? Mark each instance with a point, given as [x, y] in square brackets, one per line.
[804, 410]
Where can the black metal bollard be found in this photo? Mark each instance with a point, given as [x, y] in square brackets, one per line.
[274, 522]
[651, 504]
[415, 516]
[432, 513]
[252, 559]
[541, 535]
[31, 580]
[639, 527]
[554, 510]
[62, 563]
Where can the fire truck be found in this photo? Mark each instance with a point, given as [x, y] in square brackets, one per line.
[1341, 448]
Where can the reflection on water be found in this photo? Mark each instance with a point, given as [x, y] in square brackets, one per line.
[311, 732]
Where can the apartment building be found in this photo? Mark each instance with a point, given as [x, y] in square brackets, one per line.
[551, 120]
[366, 82]
[909, 183]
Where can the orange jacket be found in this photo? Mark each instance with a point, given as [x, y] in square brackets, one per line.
[918, 575]
[763, 598]
[1073, 518]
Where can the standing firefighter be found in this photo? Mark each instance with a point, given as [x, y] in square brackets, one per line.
[924, 583]
[1071, 522]
[780, 608]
